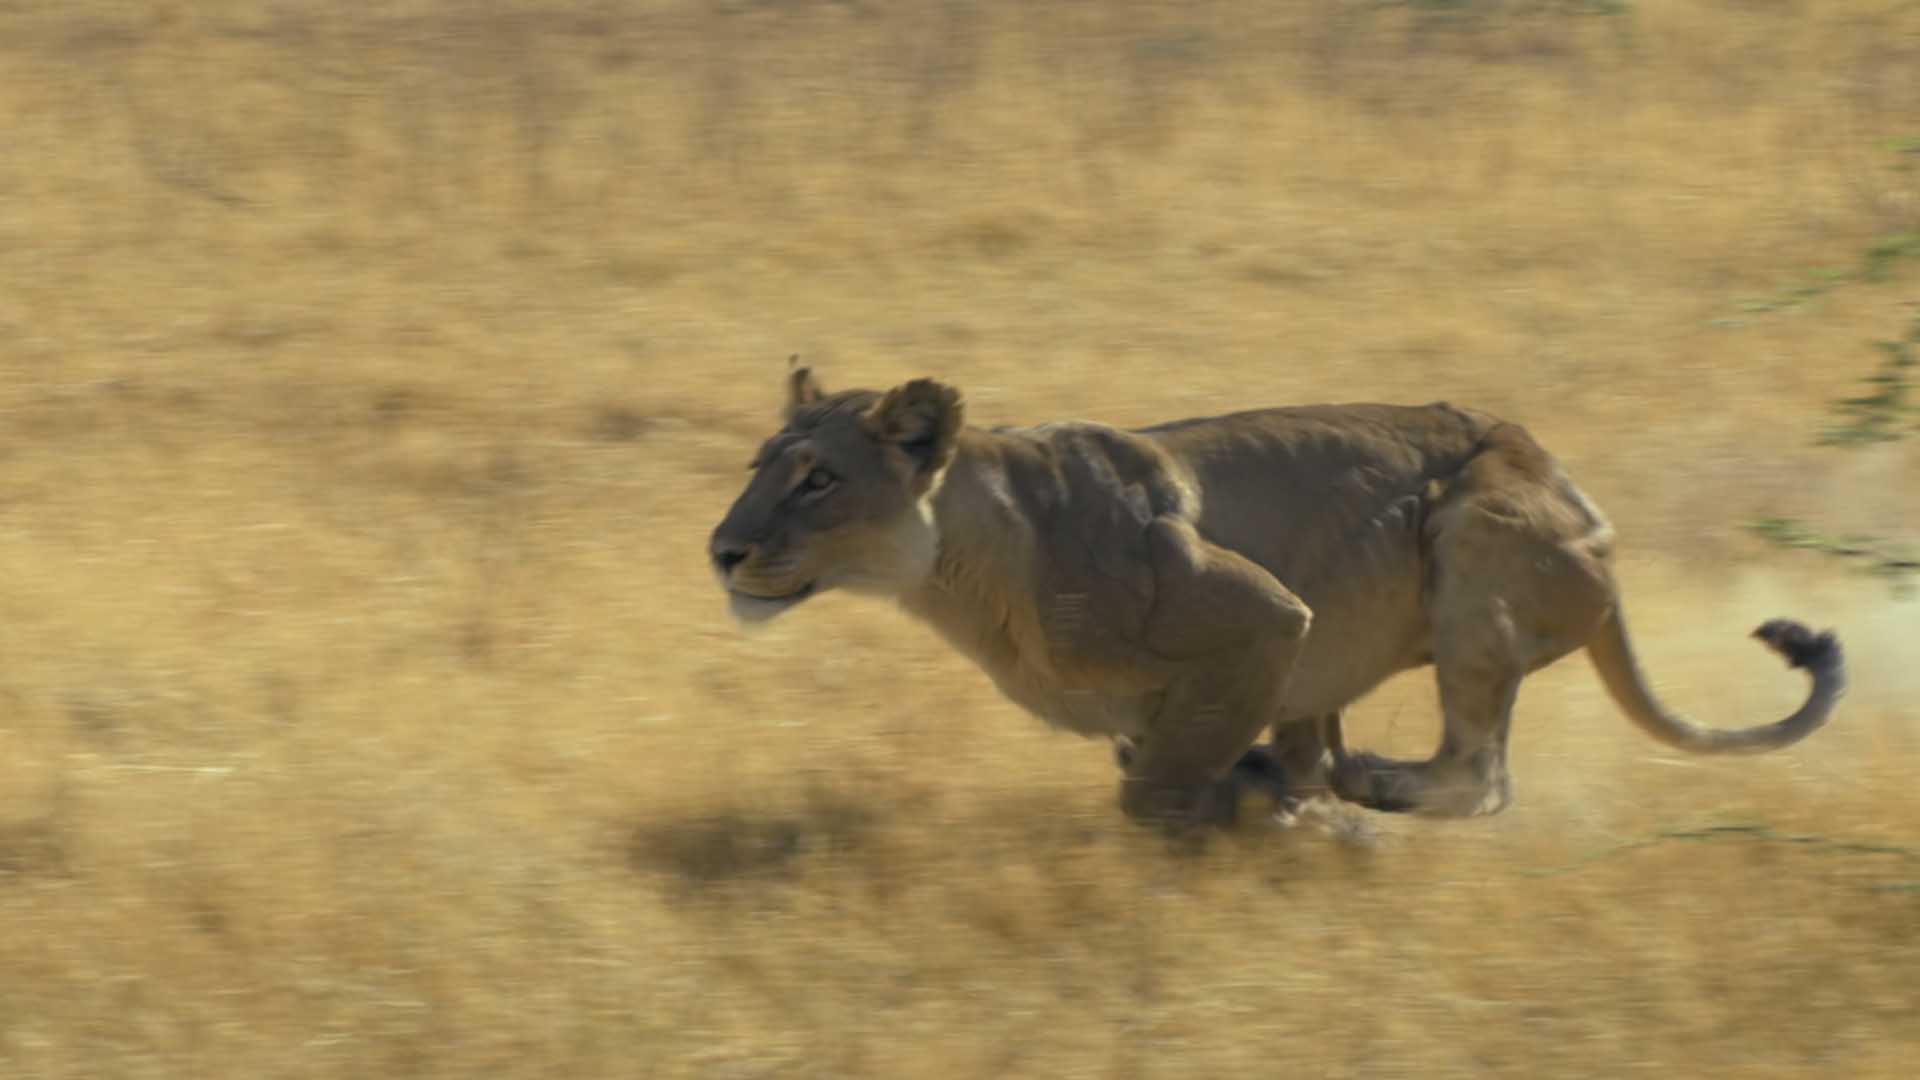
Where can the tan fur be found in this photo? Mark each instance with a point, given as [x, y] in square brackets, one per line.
[1186, 587]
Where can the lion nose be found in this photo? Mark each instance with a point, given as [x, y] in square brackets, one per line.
[728, 554]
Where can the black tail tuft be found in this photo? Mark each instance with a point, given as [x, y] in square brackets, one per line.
[1800, 646]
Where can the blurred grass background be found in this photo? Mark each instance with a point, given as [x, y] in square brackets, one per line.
[371, 377]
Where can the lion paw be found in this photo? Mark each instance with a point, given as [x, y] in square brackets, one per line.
[1373, 782]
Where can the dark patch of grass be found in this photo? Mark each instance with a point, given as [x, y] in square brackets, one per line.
[619, 424]
[732, 845]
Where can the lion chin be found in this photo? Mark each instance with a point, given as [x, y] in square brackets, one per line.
[751, 610]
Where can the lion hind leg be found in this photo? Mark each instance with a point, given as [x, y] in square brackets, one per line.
[1504, 605]
[1466, 777]
[1519, 581]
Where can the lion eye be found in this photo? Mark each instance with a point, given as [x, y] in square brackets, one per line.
[818, 480]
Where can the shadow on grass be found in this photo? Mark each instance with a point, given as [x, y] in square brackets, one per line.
[885, 833]
[32, 848]
[733, 844]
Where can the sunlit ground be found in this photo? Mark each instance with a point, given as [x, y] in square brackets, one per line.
[369, 383]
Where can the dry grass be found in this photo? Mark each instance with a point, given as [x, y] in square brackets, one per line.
[371, 383]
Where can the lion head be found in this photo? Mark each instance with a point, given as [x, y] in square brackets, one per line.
[840, 496]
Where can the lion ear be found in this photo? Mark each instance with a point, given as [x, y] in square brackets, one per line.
[922, 421]
[802, 388]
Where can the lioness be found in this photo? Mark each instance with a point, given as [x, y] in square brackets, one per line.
[1186, 587]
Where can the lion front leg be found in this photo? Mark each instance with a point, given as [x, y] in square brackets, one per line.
[1294, 765]
[1230, 633]
[1303, 754]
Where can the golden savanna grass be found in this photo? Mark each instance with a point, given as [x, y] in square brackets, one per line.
[374, 373]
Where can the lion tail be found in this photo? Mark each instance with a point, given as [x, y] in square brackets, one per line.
[1819, 654]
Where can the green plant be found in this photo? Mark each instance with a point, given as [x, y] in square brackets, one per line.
[1872, 555]
[1879, 262]
[1886, 411]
